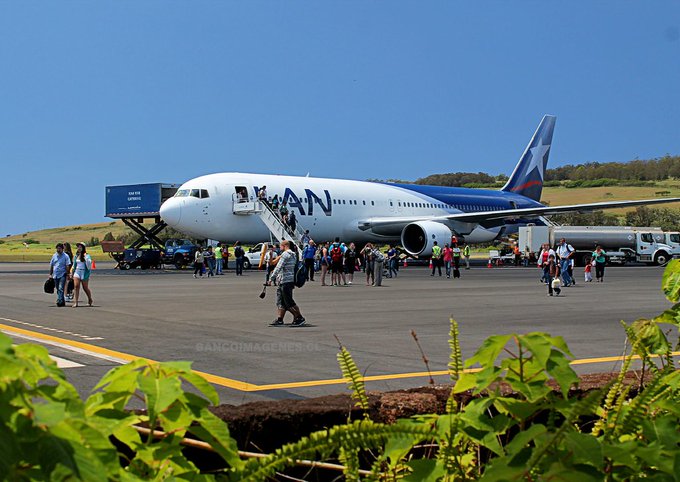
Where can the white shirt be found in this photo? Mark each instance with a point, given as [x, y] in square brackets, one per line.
[564, 250]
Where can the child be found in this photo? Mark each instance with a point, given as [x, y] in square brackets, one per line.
[589, 271]
[553, 272]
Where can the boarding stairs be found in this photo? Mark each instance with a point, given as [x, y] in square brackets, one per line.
[271, 219]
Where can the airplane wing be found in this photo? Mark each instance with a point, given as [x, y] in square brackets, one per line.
[480, 216]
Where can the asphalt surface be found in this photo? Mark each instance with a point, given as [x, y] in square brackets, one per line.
[221, 325]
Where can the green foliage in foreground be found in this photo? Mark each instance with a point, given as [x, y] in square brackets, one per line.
[515, 427]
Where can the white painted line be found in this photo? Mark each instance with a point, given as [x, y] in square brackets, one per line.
[55, 330]
[74, 349]
[64, 363]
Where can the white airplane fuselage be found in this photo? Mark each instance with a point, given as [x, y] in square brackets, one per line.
[326, 207]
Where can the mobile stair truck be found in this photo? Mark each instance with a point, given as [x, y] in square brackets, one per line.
[621, 243]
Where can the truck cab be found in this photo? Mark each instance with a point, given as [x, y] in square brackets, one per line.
[179, 252]
[651, 251]
[672, 239]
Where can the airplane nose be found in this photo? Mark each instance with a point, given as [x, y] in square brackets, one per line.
[171, 212]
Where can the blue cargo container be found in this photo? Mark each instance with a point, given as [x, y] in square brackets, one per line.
[137, 200]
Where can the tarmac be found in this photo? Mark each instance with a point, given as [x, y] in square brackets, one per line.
[222, 326]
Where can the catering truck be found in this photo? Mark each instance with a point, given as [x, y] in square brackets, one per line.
[621, 243]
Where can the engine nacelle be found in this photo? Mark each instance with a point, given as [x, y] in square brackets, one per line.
[418, 238]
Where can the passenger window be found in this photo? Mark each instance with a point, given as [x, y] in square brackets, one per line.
[364, 203]
[343, 201]
[372, 203]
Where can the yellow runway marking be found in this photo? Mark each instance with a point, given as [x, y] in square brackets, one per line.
[249, 387]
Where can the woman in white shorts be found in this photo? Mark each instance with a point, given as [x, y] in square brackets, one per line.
[82, 266]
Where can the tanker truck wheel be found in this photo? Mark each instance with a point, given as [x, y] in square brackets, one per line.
[661, 258]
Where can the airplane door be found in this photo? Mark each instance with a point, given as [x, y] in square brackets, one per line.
[241, 194]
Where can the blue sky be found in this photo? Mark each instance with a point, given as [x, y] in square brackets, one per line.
[105, 93]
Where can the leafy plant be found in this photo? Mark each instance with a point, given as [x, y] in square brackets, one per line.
[512, 414]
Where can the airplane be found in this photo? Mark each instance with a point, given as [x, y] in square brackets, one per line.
[412, 215]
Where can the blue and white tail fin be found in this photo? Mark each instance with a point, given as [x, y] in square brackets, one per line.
[527, 178]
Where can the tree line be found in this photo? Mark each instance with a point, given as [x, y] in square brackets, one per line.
[633, 171]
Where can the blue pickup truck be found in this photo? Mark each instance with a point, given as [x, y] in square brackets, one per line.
[179, 252]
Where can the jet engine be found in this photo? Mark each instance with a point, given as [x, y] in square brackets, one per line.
[418, 238]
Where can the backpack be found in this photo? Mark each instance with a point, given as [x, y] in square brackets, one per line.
[300, 274]
[336, 254]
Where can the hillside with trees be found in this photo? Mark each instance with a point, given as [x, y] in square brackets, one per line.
[590, 174]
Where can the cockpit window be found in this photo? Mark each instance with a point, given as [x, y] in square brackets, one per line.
[204, 193]
[195, 193]
[182, 193]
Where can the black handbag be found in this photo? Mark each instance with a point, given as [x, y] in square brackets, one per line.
[49, 286]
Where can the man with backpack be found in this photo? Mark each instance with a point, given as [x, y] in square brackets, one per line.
[337, 254]
[565, 251]
[285, 273]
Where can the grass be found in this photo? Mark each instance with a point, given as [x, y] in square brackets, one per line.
[13, 249]
[558, 196]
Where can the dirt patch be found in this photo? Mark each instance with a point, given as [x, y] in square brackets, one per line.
[265, 426]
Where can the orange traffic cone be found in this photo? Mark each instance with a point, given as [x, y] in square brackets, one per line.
[489, 265]
[430, 264]
[94, 265]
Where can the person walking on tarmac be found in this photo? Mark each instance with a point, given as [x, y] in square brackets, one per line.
[564, 252]
[448, 259]
[466, 254]
[239, 254]
[60, 264]
[456, 260]
[82, 266]
[436, 258]
[308, 254]
[285, 273]
[198, 262]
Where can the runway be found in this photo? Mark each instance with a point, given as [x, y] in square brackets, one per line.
[221, 325]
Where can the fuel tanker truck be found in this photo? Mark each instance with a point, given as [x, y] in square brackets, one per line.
[621, 243]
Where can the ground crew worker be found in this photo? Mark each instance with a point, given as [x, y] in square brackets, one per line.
[436, 258]
[218, 259]
[466, 254]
